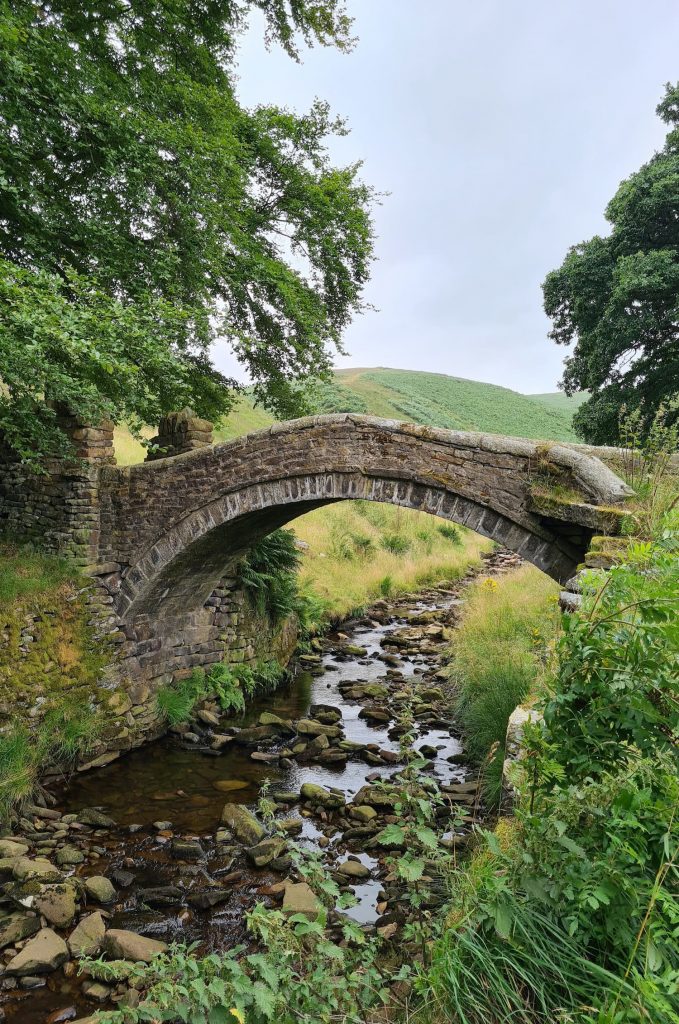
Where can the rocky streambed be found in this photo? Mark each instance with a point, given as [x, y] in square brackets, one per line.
[166, 844]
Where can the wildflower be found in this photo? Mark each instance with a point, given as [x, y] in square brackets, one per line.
[489, 584]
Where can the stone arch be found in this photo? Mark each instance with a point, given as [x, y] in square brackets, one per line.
[178, 523]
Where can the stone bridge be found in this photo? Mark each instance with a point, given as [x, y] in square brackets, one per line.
[163, 536]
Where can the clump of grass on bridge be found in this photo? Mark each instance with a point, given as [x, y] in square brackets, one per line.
[499, 659]
[359, 550]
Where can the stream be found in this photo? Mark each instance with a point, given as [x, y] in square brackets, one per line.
[178, 874]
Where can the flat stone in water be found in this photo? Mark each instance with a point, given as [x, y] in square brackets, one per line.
[229, 785]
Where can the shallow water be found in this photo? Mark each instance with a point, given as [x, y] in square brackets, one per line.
[170, 781]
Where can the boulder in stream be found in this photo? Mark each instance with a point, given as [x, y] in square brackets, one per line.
[87, 937]
[124, 945]
[243, 824]
[43, 953]
[318, 795]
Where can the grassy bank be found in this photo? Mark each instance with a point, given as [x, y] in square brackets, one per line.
[569, 911]
[360, 550]
[499, 659]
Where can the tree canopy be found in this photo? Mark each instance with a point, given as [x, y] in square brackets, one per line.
[617, 298]
[144, 212]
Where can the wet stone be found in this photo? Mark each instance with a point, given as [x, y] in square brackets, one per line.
[187, 849]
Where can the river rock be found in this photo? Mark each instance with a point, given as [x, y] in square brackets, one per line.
[12, 848]
[299, 898]
[38, 870]
[87, 937]
[375, 796]
[93, 816]
[317, 744]
[374, 714]
[161, 896]
[363, 813]
[255, 734]
[187, 849]
[57, 903]
[229, 785]
[285, 797]
[327, 714]
[17, 927]
[205, 899]
[319, 795]
[243, 824]
[124, 945]
[266, 851]
[68, 856]
[207, 717]
[95, 991]
[283, 725]
[43, 953]
[354, 869]
[309, 727]
[100, 889]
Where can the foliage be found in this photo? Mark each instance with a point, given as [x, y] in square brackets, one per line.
[236, 684]
[420, 855]
[176, 701]
[145, 212]
[498, 658]
[617, 298]
[268, 574]
[396, 543]
[572, 913]
[331, 396]
[65, 733]
[450, 532]
[616, 689]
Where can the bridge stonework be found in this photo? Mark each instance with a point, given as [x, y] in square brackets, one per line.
[160, 537]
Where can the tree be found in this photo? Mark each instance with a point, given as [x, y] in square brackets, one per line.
[144, 212]
[618, 298]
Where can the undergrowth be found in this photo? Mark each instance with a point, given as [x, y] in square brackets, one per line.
[570, 912]
[499, 655]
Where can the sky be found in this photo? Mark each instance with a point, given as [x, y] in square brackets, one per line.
[499, 131]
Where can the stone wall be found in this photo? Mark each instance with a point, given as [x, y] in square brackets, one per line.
[68, 648]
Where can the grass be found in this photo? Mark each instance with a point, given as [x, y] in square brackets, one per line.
[26, 574]
[499, 659]
[360, 550]
[67, 731]
[561, 402]
[177, 700]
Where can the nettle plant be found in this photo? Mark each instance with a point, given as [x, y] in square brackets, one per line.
[420, 857]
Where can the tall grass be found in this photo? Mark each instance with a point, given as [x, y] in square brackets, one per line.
[499, 654]
[360, 550]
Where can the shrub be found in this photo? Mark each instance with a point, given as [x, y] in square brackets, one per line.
[268, 574]
[395, 543]
[177, 701]
[450, 532]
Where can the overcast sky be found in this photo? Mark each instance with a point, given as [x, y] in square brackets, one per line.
[500, 130]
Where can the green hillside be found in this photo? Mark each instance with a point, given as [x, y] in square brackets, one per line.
[440, 401]
[567, 404]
